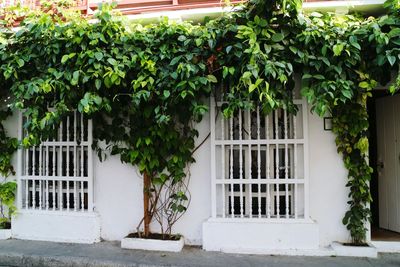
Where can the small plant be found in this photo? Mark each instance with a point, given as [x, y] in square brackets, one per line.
[7, 207]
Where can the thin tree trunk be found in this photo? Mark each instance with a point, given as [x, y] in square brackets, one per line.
[146, 202]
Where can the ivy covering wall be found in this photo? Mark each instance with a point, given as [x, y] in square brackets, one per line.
[145, 86]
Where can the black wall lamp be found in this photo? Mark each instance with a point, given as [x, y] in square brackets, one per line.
[328, 124]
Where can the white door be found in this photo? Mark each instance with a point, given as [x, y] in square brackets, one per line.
[388, 132]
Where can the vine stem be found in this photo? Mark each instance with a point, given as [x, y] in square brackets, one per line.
[146, 202]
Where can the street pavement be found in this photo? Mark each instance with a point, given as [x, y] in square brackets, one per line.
[43, 254]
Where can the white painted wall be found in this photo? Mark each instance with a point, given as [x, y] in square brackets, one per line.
[259, 237]
[118, 189]
[56, 226]
[328, 178]
[121, 210]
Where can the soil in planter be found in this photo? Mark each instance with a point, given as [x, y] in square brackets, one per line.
[355, 245]
[5, 225]
[156, 236]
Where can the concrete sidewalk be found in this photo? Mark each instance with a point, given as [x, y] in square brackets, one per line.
[35, 253]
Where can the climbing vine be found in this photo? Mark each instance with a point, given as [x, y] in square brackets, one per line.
[7, 188]
[146, 87]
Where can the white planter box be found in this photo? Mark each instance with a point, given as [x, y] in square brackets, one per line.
[5, 234]
[153, 244]
[353, 251]
[387, 246]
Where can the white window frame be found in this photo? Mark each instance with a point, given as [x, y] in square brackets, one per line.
[42, 181]
[215, 182]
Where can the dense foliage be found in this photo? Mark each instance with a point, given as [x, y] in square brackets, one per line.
[146, 86]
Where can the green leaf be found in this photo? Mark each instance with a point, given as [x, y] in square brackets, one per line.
[183, 94]
[107, 82]
[112, 61]
[252, 87]
[356, 45]
[363, 84]
[97, 84]
[43, 123]
[391, 59]
[98, 55]
[326, 61]
[337, 49]
[166, 93]
[353, 41]
[20, 62]
[394, 32]
[267, 48]
[318, 77]
[75, 77]
[212, 78]
[174, 75]
[115, 77]
[246, 75]
[98, 100]
[324, 49]
[175, 60]
[277, 37]
[147, 140]
[46, 88]
[347, 93]
[203, 80]
[293, 49]
[211, 43]
[198, 42]
[225, 72]
[64, 59]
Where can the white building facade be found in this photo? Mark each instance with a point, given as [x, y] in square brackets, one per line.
[288, 186]
[260, 184]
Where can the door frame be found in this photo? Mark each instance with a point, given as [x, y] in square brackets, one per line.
[382, 246]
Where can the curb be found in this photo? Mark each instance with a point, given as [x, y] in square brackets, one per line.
[18, 260]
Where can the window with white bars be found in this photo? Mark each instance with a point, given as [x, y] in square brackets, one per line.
[57, 174]
[259, 165]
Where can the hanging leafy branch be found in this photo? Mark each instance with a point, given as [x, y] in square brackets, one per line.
[251, 55]
[146, 86]
[8, 146]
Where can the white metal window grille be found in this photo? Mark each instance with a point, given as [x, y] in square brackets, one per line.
[57, 175]
[259, 164]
